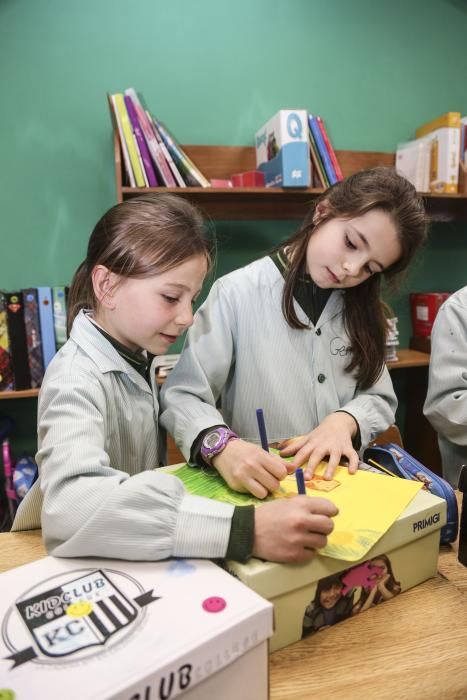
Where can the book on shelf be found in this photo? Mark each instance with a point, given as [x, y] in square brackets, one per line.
[444, 135]
[7, 376]
[143, 149]
[100, 628]
[318, 167]
[323, 151]
[117, 124]
[119, 103]
[413, 161]
[162, 167]
[330, 149]
[463, 146]
[59, 315]
[46, 320]
[175, 171]
[18, 342]
[33, 336]
[193, 176]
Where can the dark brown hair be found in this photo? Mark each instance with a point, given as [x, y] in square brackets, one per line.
[365, 312]
[141, 237]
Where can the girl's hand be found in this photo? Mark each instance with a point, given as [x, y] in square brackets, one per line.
[290, 530]
[332, 439]
[248, 468]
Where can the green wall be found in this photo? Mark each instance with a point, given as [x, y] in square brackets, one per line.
[214, 71]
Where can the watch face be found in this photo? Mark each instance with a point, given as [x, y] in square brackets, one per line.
[211, 439]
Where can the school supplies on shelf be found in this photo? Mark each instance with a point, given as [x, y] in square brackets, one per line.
[282, 149]
[443, 134]
[32, 329]
[89, 628]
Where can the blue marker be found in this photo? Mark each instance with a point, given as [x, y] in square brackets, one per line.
[262, 429]
[300, 481]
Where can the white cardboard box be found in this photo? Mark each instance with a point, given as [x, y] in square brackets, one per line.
[411, 545]
[283, 149]
[96, 629]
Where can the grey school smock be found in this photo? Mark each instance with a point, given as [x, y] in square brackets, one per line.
[241, 350]
[446, 401]
[98, 447]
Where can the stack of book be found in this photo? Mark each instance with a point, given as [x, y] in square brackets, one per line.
[431, 161]
[293, 149]
[392, 339]
[151, 155]
[325, 170]
[32, 329]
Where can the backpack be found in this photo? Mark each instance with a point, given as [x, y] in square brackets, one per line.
[399, 462]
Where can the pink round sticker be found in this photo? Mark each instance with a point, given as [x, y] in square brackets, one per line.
[214, 604]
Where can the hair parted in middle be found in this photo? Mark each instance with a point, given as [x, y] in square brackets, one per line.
[365, 312]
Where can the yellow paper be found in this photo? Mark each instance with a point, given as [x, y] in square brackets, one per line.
[368, 503]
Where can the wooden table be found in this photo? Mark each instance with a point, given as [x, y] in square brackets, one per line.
[413, 647]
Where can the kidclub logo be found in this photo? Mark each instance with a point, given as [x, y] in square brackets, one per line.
[69, 617]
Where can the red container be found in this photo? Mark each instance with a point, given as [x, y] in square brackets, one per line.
[251, 178]
[424, 306]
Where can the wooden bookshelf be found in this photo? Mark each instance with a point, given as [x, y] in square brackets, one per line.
[265, 203]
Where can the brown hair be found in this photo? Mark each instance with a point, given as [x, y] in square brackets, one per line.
[364, 311]
[140, 237]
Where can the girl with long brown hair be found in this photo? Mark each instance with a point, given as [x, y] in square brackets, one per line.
[300, 334]
[99, 491]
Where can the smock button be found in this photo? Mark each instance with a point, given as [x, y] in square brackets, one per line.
[321, 378]
[318, 331]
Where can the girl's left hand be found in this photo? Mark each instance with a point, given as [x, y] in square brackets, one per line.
[332, 439]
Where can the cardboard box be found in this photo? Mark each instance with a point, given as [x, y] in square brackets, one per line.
[87, 628]
[411, 545]
[283, 150]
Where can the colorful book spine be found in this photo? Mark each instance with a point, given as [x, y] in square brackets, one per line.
[331, 151]
[317, 162]
[194, 177]
[18, 342]
[46, 320]
[143, 149]
[118, 127]
[179, 179]
[59, 315]
[129, 139]
[154, 149]
[33, 336]
[7, 377]
[323, 152]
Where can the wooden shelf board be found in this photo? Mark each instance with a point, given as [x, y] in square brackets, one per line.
[409, 358]
[277, 203]
[24, 394]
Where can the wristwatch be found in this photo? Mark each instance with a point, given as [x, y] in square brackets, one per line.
[215, 441]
